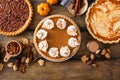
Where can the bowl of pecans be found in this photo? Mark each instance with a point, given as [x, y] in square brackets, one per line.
[13, 48]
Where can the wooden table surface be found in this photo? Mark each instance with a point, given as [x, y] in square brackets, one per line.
[73, 69]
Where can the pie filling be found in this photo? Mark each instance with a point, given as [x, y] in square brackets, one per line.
[13, 14]
[104, 19]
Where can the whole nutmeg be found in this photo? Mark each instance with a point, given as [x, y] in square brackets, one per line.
[15, 68]
[10, 65]
[23, 59]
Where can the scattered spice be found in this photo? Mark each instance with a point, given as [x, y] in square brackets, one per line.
[28, 57]
[96, 53]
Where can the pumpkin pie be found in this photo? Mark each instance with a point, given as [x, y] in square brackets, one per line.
[15, 16]
[57, 38]
[103, 20]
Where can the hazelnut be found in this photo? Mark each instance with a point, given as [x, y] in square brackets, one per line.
[41, 62]
[10, 65]
[103, 52]
[92, 56]
[27, 60]
[107, 55]
[15, 68]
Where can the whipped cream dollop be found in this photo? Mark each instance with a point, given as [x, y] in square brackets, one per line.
[72, 31]
[73, 42]
[42, 34]
[64, 51]
[48, 24]
[53, 52]
[61, 23]
[43, 45]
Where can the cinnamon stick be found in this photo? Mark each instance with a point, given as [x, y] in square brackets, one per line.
[77, 7]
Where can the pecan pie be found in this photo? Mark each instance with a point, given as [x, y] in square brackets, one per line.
[15, 16]
[57, 38]
[103, 20]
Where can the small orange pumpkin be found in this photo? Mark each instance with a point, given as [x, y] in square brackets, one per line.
[43, 9]
[52, 2]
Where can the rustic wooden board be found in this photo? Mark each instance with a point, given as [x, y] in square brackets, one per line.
[72, 69]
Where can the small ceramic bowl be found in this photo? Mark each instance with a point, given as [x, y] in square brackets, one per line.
[82, 9]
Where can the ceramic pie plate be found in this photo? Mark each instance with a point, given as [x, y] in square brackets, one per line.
[45, 54]
[96, 30]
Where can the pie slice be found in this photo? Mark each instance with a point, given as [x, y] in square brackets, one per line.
[103, 20]
[54, 39]
[15, 16]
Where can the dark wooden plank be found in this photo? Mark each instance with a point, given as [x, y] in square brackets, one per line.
[70, 70]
